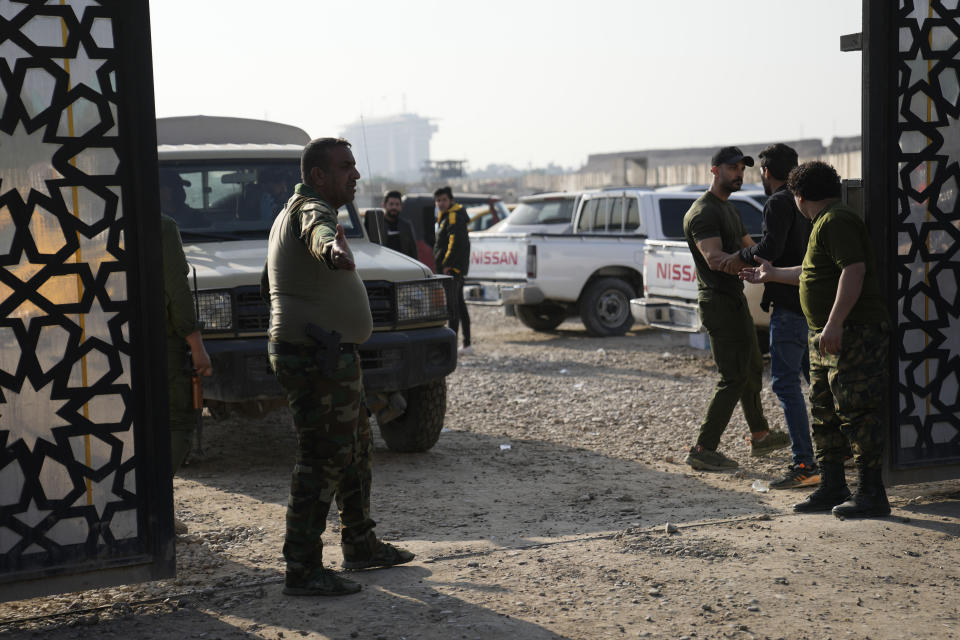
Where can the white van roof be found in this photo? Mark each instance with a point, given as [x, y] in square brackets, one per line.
[198, 130]
[229, 151]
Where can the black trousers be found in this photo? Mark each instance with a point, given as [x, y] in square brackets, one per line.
[457, 308]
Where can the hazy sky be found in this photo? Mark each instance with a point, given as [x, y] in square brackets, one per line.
[522, 82]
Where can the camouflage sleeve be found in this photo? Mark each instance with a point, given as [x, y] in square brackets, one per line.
[181, 315]
[318, 230]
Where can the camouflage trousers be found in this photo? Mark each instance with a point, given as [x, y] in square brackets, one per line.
[846, 395]
[334, 446]
[183, 417]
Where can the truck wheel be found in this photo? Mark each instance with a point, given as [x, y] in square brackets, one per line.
[605, 307]
[541, 317]
[418, 428]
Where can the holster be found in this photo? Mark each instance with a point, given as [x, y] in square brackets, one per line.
[328, 347]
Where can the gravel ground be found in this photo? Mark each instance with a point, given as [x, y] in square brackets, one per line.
[627, 397]
[555, 505]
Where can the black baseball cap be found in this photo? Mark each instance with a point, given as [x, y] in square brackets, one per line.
[730, 155]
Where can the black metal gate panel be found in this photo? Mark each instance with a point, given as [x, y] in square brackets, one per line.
[926, 430]
[85, 497]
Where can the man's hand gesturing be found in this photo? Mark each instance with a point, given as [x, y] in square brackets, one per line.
[757, 275]
[340, 252]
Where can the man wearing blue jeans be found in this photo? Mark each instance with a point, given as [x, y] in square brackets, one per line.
[785, 235]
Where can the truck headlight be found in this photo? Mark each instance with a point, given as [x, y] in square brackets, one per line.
[216, 310]
[421, 300]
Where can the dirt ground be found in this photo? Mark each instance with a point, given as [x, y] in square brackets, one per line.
[555, 505]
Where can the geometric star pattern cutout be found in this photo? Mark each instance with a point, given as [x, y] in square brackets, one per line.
[10, 53]
[927, 332]
[919, 14]
[82, 70]
[94, 251]
[33, 515]
[951, 139]
[78, 6]
[919, 70]
[26, 161]
[24, 269]
[95, 323]
[30, 415]
[102, 491]
[9, 10]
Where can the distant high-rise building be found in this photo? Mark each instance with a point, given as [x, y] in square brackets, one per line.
[393, 147]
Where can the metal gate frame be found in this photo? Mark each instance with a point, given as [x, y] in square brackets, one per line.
[916, 449]
[121, 90]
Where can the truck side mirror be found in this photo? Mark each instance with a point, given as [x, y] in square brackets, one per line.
[376, 226]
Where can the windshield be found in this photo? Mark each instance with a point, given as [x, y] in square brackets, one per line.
[543, 212]
[233, 200]
[672, 211]
[484, 216]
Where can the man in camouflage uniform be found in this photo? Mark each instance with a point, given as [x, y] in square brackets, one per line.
[184, 347]
[848, 343]
[319, 313]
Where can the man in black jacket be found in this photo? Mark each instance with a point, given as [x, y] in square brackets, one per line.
[784, 243]
[451, 255]
[399, 231]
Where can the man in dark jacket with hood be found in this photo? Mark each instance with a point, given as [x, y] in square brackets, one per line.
[451, 255]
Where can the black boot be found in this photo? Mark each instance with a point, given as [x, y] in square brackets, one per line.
[870, 500]
[831, 492]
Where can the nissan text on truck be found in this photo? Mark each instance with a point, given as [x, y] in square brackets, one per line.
[235, 175]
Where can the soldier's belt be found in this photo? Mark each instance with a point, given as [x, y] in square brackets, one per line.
[308, 350]
[866, 326]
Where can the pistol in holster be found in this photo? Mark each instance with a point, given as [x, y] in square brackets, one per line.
[328, 348]
[196, 392]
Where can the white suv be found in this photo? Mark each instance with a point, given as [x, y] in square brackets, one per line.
[226, 195]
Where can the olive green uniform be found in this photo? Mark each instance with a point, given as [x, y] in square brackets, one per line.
[333, 435]
[181, 322]
[846, 389]
[726, 316]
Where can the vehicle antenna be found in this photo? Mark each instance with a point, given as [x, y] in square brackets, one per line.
[366, 155]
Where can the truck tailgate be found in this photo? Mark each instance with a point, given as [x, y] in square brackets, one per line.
[669, 270]
[670, 284]
[501, 256]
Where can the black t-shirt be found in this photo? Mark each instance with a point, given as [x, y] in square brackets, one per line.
[393, 234]
[711, 217]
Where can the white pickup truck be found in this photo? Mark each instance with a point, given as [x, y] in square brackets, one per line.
[594, 269]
